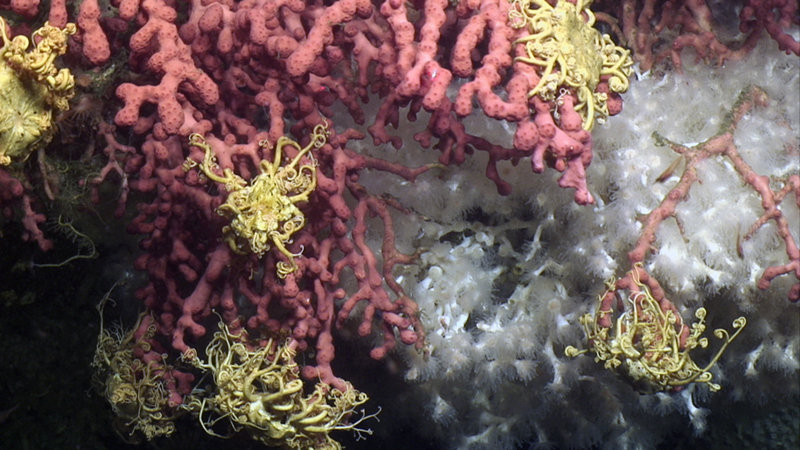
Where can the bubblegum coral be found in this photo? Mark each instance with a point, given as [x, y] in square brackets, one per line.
[181, 254]
[264, 56]
[237, 135]
[269, 44]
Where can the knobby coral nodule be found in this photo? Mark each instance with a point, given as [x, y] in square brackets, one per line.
[573, 55]
[264, 212]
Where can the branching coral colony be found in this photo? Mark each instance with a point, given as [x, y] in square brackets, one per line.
[568, 75]
[537, 65]
[649, 339]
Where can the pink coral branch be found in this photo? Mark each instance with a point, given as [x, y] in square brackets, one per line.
[722, 144]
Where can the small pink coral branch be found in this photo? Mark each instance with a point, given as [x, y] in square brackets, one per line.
[192, 272]
[644, 24]
[15, 195]
[722, 144]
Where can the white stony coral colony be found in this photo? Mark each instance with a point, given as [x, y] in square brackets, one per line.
[707, 247]
[501, 299]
